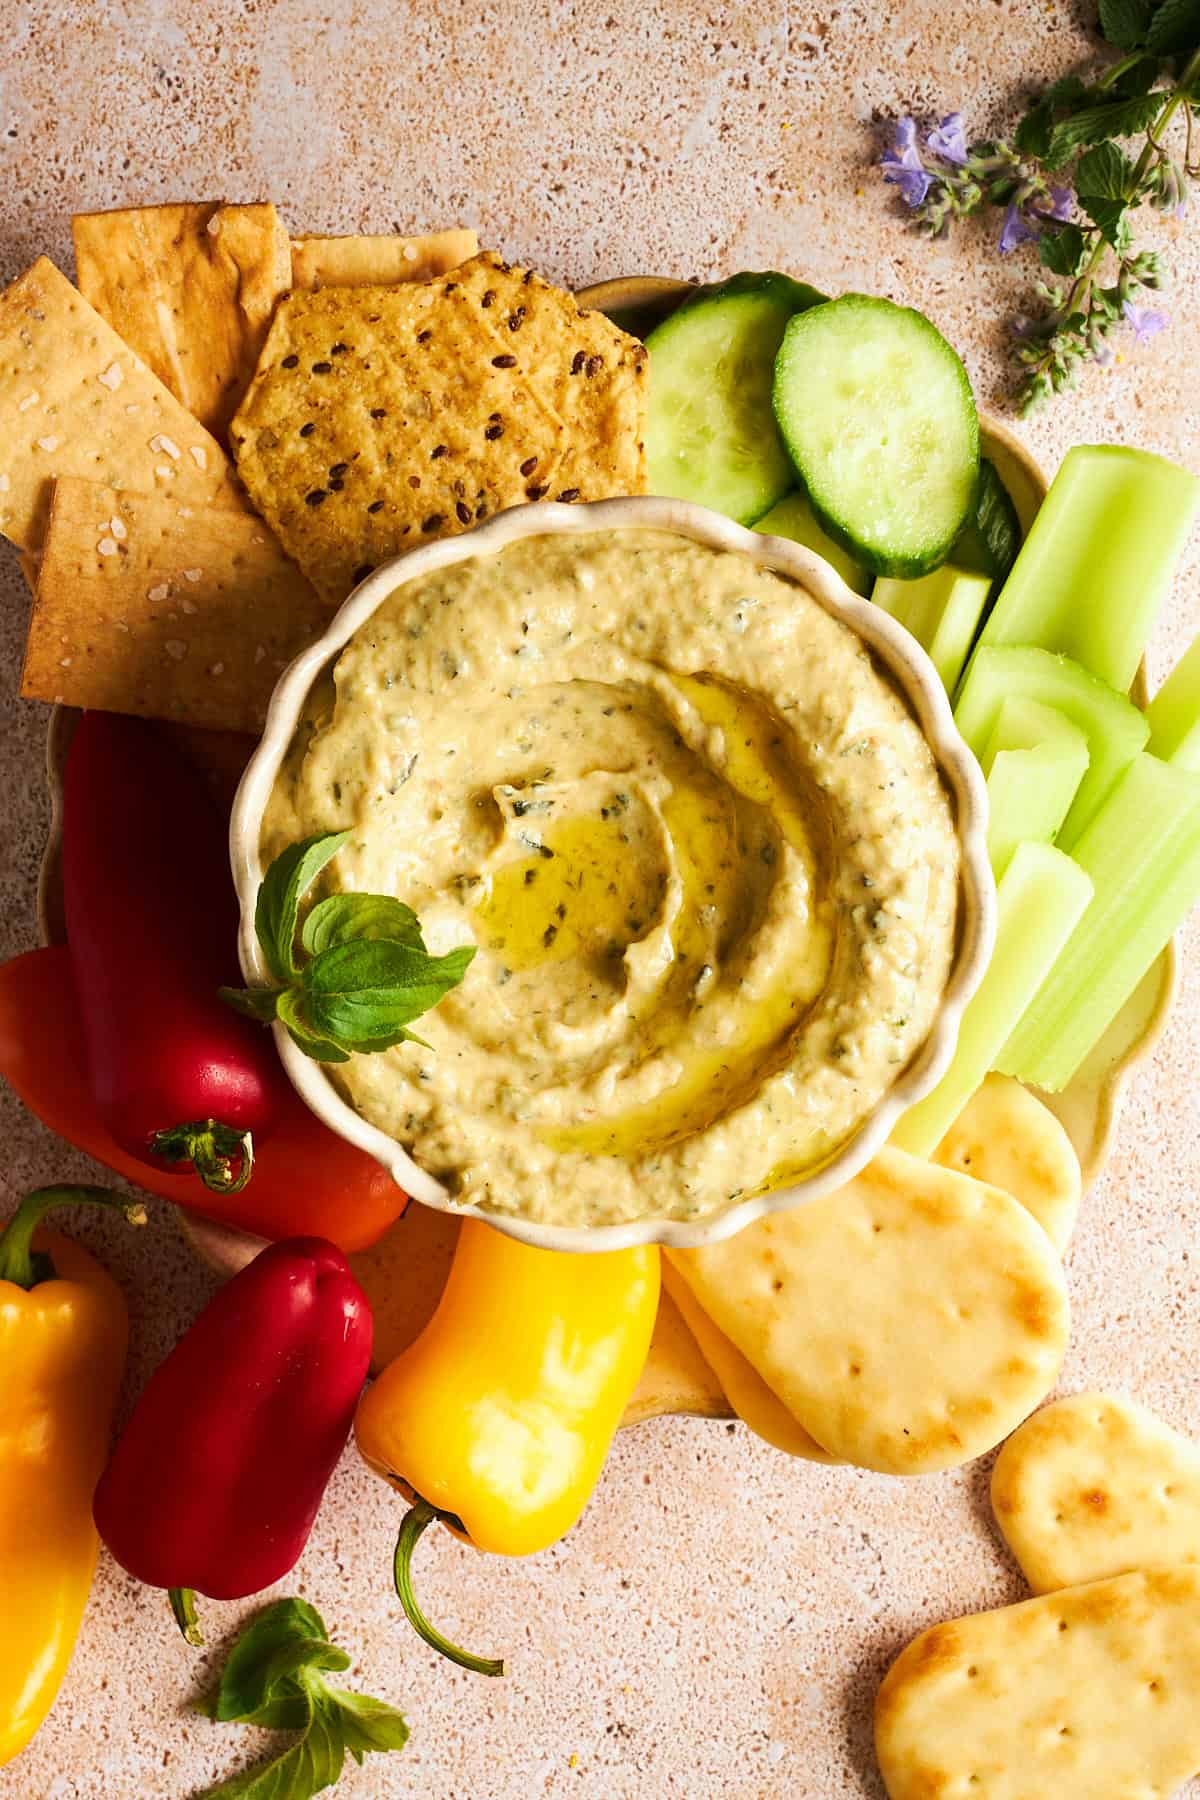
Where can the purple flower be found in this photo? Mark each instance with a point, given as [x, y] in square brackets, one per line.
[902, 164]
[1146, 322]
[1061, 202]
[949, 141]
[1017, 231]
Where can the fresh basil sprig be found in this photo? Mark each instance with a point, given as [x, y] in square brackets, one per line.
[275, 1677]
[365, 973]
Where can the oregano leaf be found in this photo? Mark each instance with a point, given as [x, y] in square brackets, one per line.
[1064, 252]
[1104, 172]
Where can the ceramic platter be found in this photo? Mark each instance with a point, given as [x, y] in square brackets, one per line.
[404, 1273]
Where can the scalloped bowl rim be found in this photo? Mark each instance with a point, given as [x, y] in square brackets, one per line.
[913, 674]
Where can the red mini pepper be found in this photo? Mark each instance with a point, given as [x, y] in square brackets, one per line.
[152, 919]
[306, 1178]
[216, 1479]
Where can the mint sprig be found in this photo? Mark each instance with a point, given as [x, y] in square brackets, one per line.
[365, 973]
[276, 1677]
[1097, 283]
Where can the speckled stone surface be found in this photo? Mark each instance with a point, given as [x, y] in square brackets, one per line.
[718, 1623]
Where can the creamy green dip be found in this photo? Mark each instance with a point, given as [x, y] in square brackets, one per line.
[702, 847]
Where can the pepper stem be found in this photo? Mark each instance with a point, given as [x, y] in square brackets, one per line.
[415, 1523]
[222, 1156]
[183, 1605]
[24, 1266]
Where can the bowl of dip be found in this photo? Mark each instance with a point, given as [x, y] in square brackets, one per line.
[704, 814]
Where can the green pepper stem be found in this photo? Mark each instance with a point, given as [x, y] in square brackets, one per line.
[183, 1605]
[415, 1523]
[222, 1156]
[24, 1266]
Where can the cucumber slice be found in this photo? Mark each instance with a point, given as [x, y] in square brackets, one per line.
[1038, 903]
[991, 537]
[1142, 853]
[878, 417]
[1114, 728]
[1098, 560]
[942, 610]
[794, 518]
[1174, 713]
[710, 431]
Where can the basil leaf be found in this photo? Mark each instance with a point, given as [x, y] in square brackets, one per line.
[1105, 172]
[1124, 22]
[246, 1679]
[1064, 252]
[256, 1003]
[313, 1043]
[286, 881]
[343, 917]
[365, 990]
[1115, 119]
[274, 1674]
[1175, 28]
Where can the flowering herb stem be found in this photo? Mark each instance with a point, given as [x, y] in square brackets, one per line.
[1096, 280]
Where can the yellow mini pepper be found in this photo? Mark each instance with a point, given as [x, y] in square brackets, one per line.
[498, 1419]
[63, 1330]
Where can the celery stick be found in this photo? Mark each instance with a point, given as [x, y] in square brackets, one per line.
[1034, 762]
[1029, 795]
[1099, 560]
[1114, 728]
[942, 610]
[1039, 901]
[1023, 724]
[793, 517]
[1142, 853]
[1174, 713]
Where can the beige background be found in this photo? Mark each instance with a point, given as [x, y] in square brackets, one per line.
[717, 1624]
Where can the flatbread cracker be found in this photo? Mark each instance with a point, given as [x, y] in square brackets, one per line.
[380, 418]
[378, 261]
[910, 1320]
[145, 606]
[1093, 1694]
[191, 288]
[75, 400]
[1006, 1137]
[1095, 1486]
[744, 1388]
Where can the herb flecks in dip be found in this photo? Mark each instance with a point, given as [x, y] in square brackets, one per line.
[702, 846]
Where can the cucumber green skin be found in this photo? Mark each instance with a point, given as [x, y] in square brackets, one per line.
[991, 537]
[792, 296]
[904, 567]
[780, 297]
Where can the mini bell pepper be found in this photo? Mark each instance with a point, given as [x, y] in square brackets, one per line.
[63, 1330]
[215, 1482]
[307, 1180]
[497, 1420]
[152, 919]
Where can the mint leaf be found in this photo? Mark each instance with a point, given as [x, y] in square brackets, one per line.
[289, 877]
[1175, 28]
[1105, 172]
[1111, 219]
[1114, 119]
[343, 917]
[1032, 136]
[274, 1677]
[1065, 252]
[1124, 22]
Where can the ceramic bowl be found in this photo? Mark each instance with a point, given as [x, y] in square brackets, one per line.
[897, 653]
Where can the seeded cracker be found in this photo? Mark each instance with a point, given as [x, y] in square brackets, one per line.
[378, 261]
[191, 288]
[75, 400]
[172, 612]
[379, 418]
